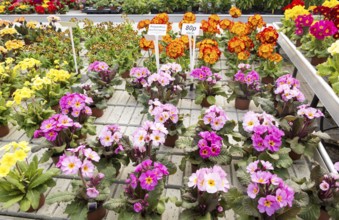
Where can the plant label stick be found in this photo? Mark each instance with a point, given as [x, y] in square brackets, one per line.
[70, 26]
[157, 30]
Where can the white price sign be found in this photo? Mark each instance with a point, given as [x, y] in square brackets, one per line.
[190, 29]
[157, 29]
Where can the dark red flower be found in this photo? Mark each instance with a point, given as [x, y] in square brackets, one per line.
[52, 8]
[39, 9]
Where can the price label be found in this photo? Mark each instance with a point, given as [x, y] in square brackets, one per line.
[190, 29]
[157, 29]
[68, 24]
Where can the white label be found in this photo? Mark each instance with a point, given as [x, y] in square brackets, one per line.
[190, 29]
[157, 29]
[68, 24]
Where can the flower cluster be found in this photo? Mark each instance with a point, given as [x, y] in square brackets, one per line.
[57, 129]
[240, 28]
[269, 190]
[146, 44]
[189, 18]
[288, 88]
[330, 11]
[256, 21]
[163, 78]
[309, 112]
[209, 51]
[175, 48]
[303, 22]
[150, 133]
[76, 105]
[334, 48]
[226, 24]
[163, 113]
[79, 161]
[235, 12]
[98, 66]
[13, 152]
[144, 179]
[265, 132]
[111, 136]
[295, 11]
[210, 144]
[211, 26]
[205, 74]
[268, 35]
[215, 117]
[140, 75]
[250, 79]
[210, 180]
[322, 29]
[294, 3]
[328, 187]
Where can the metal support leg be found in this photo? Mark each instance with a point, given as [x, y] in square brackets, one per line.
[295, 71]
[314, 102]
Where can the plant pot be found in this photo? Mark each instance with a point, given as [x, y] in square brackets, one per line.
[205, 103]
[96, 112]
[125, 75]
[194, 168]
[41, 203]
[294, 156]
[55, 108]
[170, 140]
[267, 80]
[323, 215]
[318, 60]
[4, 130]
[242, 104]
[97, 214]
[298, 43]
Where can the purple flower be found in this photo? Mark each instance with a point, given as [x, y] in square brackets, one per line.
[239, 76]
[133, 181]
[268, 204]
[148, 180]
[258, 143]
[252, 190]
[92, 192]
[137, 207]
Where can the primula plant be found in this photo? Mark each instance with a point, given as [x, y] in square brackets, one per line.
[207, 87]
[302, 26]
[21, 181]
[111, 145]
[268, 196]
[59, 130]
[89, 192]
[142, 198]
[245, 84]
[203, 196]
[138, 80]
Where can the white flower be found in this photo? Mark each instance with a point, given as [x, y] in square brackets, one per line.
[334, 48]
[212, 183]
[192, 180]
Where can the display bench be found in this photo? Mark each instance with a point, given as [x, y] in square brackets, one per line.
[319, 86]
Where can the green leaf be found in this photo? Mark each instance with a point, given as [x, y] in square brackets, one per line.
[12, 201]
[161, 207]
[154, 195]
[44, 178]
[77, 210]
[115, 204]
[284, 161]
[188, 214]
[129, 216]
[310, 212]
[290, 214]
[211, 100]
[60, 197]
[25, 204]
[243, 177]
[34, 198]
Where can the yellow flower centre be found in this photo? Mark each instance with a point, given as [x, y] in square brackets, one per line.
[211, 182]
[71, 165]
[149, 180]
[267, 203]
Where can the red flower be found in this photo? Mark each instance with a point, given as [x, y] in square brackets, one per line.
[39, 9]
[52, 8]
[11, 8]
[294, 3]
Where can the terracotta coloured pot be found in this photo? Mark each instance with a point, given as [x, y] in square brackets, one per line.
[318, 60]
[298, 43]
[97, 214]
[194, 168]
[96, 112]
[55, 108]
[205, 103]
[324, 215]
[294, 156]
[4, 130]
[242, 104]
[267, 80]
[41, 203]
[125, 75]
[170, 140]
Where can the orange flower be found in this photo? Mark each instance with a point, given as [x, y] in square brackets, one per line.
[244, 55]
[277, 58]
[167, 38]
[143, 24]
[265, 50]
[20, 20]
[160, 19]
[175, 49]
[236, 45]
[214, 18]
[256, 21]
[207, 41]
[235, 12]
[226, 24]
[240, 29]
[210, 54]
[189, 16]
[185, 40]
[248, 42]
[268, 36]
[210, 27]
[146, 44]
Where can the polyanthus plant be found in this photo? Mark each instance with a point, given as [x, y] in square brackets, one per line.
[209, 142]
[268, 196]
[59, 131]
[29, 30]
[302, 26]
[28, 110]
[111, 146]
[264, 141]
[292, 11]
[99, 97]
[300, 133]
[5, 111]
[322, 189]
[207, 87]
[103, 77]
[138, 79]
[89, 191]
[209, 52]
[203, 195]
[21, 180]
[142, 198]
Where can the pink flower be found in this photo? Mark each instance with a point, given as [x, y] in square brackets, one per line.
[261, 177]
[106, 138]
[157, 138]
[336, 166]
[137, 207]
[91, 155]
[92, 192]
[205, 152]
[148, 180]
[133, 181]
[267, 165]
[272, 143]
[268, 204]
[252, 190]
[70, 165]
[252, 167]
[324, 186]
[87, 168]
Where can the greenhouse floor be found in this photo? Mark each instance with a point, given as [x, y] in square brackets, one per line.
[125, 111]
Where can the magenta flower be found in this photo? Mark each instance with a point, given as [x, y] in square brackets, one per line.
[268, 204]
[324, 186]
[133, 180]
[322, 29]
[148, 180]
[137, 207]
[92, 192]
[205, 152]
[252, 190]
[272, 143]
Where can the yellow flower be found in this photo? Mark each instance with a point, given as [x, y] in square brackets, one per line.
[24, 93]
[3, 50]
[58, 75]
[9, 104]
[14, 44]
[2, 9]
[8, 159]
[330, 3]
[295, 11]
[23, 7]
[32, 24]
[4, 170]
[9, 60]
[8, 31]
[20, 155]
[334, 48]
